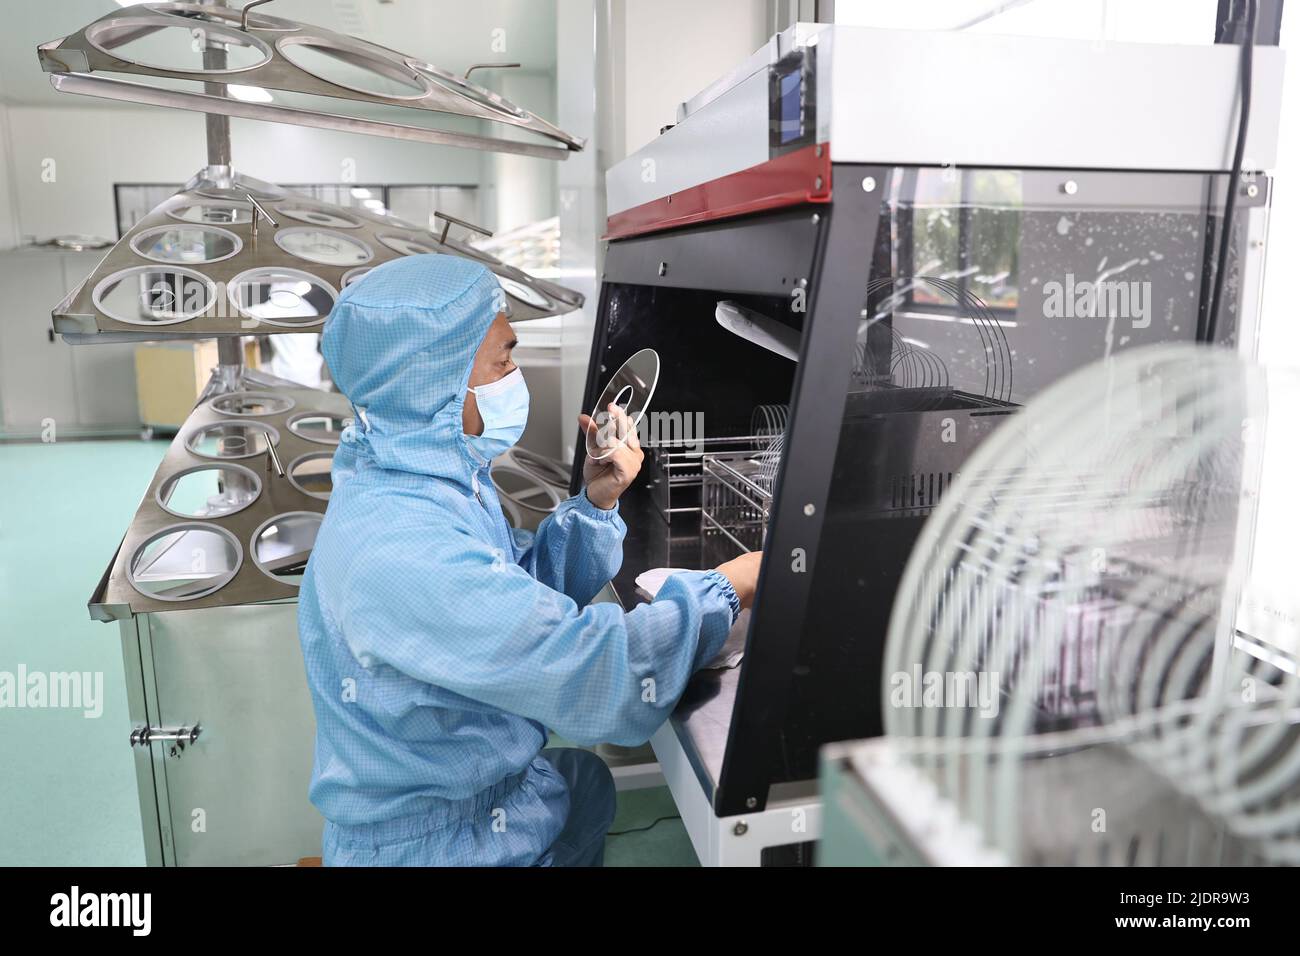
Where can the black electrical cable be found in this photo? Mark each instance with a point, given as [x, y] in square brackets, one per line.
[1230, 202]
[675, 816]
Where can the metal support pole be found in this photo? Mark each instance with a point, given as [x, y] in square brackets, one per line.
[218, 132]
[230, 356]
[230, 348]
[218, 125]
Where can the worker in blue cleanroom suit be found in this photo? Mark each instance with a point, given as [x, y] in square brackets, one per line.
[441, 645]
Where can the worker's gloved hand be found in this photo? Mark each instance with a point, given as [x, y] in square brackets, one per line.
[742, 572]
[609, 477]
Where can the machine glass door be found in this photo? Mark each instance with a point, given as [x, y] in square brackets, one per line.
[985, 287]
[1054, 269]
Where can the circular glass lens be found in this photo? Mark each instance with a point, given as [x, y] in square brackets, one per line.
[154, 295]
[191, 245]
[524, 293]
[354, 275]
[407, 247]
[316, 427]
[631, 389]
[319, 215]
[284, 297]
[231, 440]
[209, 491]
[213, 213]
[282, 546]
[184, 562]
[321, 246]
[310, 474]
[251, 403]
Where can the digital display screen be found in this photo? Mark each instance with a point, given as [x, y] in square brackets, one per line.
[789, 109]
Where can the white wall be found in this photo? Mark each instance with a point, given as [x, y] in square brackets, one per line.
[670, 50]
[622, 66]
[581, 191]
[93, 147]
[519, 190]
[8, 222]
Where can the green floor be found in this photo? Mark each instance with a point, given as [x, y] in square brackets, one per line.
[652, 840]
[67, 793]
[67, 784]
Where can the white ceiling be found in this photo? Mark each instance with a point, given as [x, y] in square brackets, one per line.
[450, 33]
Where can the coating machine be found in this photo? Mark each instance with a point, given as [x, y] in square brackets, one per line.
[854, 271]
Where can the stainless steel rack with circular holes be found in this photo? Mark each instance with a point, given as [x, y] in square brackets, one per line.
[178, 274]
[205, 533]
[115, 56]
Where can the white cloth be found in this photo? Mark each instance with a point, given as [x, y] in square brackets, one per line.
[733, 651]
[651, 581]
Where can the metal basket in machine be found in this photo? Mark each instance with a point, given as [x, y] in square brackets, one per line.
[737, 496]
[676, 468]
[736, 493]
[675, 471]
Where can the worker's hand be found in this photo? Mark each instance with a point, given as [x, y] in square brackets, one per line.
[742, 572]
[609, 477]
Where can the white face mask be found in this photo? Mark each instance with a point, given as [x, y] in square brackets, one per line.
[503, 405]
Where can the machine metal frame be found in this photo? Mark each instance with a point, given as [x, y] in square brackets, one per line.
[842, 260]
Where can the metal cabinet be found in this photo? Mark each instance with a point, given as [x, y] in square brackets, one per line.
[104, 374]
[36, 372]
[42, 378]
[231, 679]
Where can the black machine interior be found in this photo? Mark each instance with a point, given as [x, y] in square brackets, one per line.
[707, 375]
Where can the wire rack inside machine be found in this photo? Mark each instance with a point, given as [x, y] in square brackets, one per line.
[737, 484]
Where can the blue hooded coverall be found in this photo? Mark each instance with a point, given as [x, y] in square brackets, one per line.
[439, 644]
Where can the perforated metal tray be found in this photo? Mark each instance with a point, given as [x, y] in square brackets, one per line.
[78, 63]
[115, 598]
[79, 318]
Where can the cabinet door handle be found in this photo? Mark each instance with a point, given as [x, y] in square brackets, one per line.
[177, 736]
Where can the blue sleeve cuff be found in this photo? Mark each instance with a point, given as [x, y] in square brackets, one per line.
[586, 506]
[733, 599]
